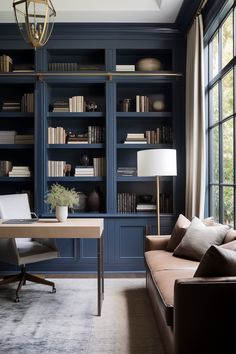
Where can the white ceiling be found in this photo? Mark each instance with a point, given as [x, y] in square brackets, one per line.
[144, 11]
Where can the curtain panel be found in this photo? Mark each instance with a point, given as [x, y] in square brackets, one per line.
[195, 122]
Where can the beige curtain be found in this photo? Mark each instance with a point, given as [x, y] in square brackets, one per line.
[195, 122]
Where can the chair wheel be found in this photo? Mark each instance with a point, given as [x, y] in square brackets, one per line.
[54, 290]
[17, 299]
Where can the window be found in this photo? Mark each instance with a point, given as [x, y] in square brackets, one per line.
[221, 127]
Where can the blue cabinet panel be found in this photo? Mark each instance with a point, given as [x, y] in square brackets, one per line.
[131, 242]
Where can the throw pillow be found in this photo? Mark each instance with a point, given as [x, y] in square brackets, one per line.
[217, 262]
[229, 245]
[198, 238]
[178, 232]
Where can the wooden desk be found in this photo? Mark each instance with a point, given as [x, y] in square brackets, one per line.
[71, 228]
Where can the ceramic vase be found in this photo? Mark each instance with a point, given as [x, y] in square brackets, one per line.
[61, 213]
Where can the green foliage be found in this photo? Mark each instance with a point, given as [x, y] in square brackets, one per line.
[61, 196]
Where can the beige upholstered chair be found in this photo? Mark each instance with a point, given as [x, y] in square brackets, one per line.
[22, 251]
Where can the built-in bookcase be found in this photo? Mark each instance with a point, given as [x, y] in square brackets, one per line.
[94, 109]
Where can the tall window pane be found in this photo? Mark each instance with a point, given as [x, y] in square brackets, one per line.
[215, 154]
[227, 40]
[214, 202]
[215, 103]
[229, 206]
[228, 152]
[215, 60]
[227, 94]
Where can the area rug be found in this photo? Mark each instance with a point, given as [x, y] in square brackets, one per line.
[67, 322]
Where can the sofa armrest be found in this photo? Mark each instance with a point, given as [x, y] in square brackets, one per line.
[156, 242]
[205, 315]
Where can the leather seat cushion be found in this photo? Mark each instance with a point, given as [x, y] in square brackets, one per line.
[164, 281]
[32, 251]
[163, 260]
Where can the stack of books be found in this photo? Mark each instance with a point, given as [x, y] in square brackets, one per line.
[146, 207]
[11, 106]
[23, 68]
[5, 167]
[60, 106]
[125, 67]
[20, 171]
[7, 136]
[74, 138]
[84, 171]
[135, 138]
[5, 63]
[127, 171]
[56, 135]
[24, 139]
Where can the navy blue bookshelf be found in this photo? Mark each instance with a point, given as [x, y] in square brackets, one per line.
[98, 49]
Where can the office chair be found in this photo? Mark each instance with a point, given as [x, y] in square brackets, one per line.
[22, 251]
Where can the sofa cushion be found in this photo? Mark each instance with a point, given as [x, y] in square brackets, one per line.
[217, 262]
[230, 236]
[164, 281]
[198, 238]
[229, 245]
[162, 260]
[178, 232]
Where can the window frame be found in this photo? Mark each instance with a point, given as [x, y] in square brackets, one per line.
[216, 28]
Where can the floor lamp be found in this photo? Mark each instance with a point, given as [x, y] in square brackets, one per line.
[157, 162]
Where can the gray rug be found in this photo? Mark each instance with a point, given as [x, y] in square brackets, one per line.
[67, 322]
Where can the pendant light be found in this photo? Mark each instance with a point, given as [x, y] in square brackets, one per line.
[35, 19]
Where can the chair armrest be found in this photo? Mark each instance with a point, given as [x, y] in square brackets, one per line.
[156, 242]
[204, 315]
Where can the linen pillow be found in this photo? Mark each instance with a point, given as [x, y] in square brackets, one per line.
[178, 232]
[229, 245]
[217, 262]
[198, 238]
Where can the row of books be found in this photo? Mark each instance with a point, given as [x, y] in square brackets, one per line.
[12, 137]
[94, 135]
[162, 135]
[60, 168]
[6, 64]
[5, 167]
[56, 135]
[25, 104]
[56, 168]
[126, 202]
[72, 66]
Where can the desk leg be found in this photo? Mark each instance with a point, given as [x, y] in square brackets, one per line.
[100, 273]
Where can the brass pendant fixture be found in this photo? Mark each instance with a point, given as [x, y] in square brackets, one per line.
[35, 19]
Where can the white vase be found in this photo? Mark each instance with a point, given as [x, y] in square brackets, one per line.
[61, 213]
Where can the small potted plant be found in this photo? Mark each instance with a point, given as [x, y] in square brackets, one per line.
[60, 198]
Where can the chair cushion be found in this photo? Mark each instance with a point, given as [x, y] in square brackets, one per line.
[217, 262]
[198, 238]
[31, 251]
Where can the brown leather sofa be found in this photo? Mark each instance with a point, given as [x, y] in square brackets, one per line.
[195, 315]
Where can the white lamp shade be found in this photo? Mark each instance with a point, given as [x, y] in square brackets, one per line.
[157, 162]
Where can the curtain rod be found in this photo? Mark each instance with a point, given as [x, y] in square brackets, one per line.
[198, 12]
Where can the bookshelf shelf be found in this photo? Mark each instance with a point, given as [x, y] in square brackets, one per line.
[76, 179]
[16, 146]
